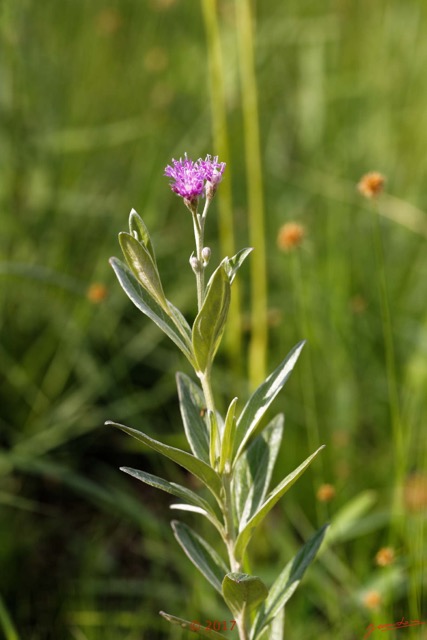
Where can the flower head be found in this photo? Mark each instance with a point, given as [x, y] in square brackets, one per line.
[371, 184]
[290, 236]
[326, 493]
[191, 179]
[188, 178]
[212, 169]
[385, 556]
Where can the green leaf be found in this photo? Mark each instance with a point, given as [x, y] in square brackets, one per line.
[232, 265]
[274, 631]
[246, 533]
[150, 308]
[209, 324]
[252, 475]
[345, 522]
[243, 592]
[138, 229]
[172, 488]
[227, 437]
[262, 398]
[192, 406]
[214, 441]
[197, 467]
[193, 627]
[201, 554]
[144, 269]
[287, 582]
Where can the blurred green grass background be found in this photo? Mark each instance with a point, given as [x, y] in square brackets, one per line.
[95, 99]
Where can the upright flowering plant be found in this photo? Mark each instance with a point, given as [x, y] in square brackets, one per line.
[232, 455]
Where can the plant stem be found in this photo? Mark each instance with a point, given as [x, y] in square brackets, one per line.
[199, 232]
[220, 134]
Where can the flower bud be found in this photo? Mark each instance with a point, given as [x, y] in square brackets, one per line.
[206, 255]
[195, 264]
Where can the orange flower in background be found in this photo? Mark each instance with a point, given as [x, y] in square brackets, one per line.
[290, 236]
[385, 556]
[372, 599]
[97, 292]
[326, 493]
[371, 184]
[415, 493]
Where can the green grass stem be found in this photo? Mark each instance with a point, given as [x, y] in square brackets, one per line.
[254, 178]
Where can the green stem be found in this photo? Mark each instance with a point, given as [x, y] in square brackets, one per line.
[220, 135]
[199, 232]
[390, 358]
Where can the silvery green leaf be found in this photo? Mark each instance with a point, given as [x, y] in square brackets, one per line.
[192, 406]
[262, 398]
[144, 269]
[227, 436]
[172, 488]
[246, 533]
[232, 265]
[274, 631]
[145, 303]
[209, 324]
[138, 229]
[201, 554]
[287, 582]
[197, 467]
[242, 592]
[193, 627]
[254, 469]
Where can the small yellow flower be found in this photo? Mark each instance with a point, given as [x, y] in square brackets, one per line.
[290, 236]
[372, 599]
[97, 292]
[385, 556]
[371, 184]
[326, 493]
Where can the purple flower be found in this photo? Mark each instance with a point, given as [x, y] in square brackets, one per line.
[189, 178]
[212, 169]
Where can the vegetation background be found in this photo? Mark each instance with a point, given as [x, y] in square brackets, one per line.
[95, 98]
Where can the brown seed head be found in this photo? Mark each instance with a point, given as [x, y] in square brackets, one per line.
[290, 236]
[385, 556]
[371, 184]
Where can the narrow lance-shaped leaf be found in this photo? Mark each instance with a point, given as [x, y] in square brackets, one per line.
[227, 437]
[247, 532]
[151, 308]
[242, 592]
[192, 407]
[138, 229]
[197, 467]
[232, 265]
[254, 469]
[262, 398]
[194, 627]
[171, 487]
[201, 554]
[209, 324]
[287, 582]
[141, 263]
